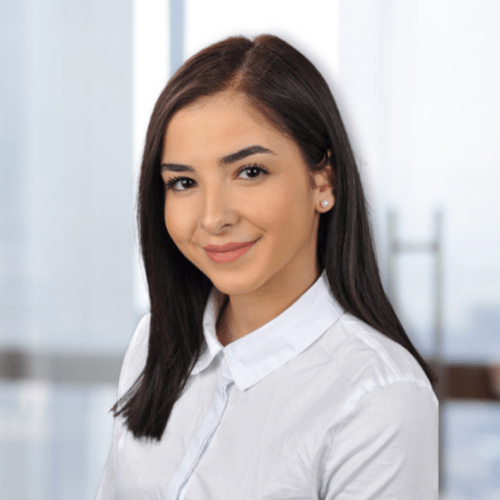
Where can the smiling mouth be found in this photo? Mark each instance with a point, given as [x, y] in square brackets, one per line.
[228, 252]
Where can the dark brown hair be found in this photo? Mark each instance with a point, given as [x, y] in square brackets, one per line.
[286, 89]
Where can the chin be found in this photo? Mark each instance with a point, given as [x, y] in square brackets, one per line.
[235, 283]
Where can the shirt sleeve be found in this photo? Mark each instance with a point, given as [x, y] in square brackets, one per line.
[387, 446]
[133, 364]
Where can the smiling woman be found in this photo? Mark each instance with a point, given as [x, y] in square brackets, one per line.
[272, 365]
[248, 202]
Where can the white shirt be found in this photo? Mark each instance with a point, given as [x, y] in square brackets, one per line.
[314, 404]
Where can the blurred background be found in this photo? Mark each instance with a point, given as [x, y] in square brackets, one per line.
[417, 82]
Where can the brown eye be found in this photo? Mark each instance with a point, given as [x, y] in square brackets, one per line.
[180, 183]
[253, 172]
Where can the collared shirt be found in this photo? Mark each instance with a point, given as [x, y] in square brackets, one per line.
[314, 404]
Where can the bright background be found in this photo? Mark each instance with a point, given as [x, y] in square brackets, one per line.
[417, 83]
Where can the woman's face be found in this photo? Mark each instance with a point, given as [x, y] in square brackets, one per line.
[232, 178]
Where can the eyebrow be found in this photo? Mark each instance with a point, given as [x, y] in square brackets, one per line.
[225, 160]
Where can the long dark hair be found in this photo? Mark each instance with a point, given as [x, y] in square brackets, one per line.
[287, 90]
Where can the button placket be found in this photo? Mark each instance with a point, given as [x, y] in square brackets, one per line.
[176, 488]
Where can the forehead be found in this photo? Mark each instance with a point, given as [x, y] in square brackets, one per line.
[219, 124]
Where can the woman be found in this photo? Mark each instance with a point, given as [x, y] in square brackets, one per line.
[272, 365]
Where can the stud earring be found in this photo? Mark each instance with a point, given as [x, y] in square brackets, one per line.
[324, 203]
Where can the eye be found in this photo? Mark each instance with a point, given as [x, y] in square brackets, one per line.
[253, 172]
[179, 183]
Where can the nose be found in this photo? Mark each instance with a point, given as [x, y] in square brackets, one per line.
[217, 212]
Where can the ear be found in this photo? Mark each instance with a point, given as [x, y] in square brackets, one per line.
[324, 187]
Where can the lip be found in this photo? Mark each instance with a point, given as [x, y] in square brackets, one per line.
[228, 252]
[227, 247]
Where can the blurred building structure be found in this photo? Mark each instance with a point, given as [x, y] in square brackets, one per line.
[66, 238]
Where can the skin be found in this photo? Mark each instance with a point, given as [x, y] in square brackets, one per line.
[218, 203]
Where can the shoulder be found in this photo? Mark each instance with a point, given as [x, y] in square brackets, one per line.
[389, 360]
[385, 429]
[385, 445]
[364, 360]
[135, 356]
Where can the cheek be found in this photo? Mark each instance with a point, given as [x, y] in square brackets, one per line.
[270, 217]
[177, 221]
[282, 210]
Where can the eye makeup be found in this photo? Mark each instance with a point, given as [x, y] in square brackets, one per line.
[255, 167]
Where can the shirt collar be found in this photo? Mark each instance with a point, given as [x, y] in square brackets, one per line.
[254, 356]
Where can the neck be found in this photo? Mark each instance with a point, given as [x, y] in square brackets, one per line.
[247, 312]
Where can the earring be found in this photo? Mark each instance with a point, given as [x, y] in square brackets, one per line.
[324, 203]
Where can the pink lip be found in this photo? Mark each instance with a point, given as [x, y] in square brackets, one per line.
[228, 252]
[227, 247]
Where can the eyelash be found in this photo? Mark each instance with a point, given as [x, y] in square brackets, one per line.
[174, 180]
